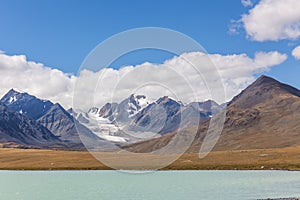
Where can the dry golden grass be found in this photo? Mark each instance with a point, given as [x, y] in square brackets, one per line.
[32, 159]
[283, 158]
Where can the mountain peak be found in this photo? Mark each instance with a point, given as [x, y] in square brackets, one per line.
[136, 98]
[56, 111]
[12, 90]
[264, 77]
[25, 103]
[210, 102]
[57, 105]
[166, 99]
[136, 103]
[262, 89]
[12, 95]
[266, 84]
[265, 80]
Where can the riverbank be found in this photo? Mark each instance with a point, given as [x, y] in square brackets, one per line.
[257, 159]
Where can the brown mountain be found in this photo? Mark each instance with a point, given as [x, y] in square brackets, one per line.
[264, 115]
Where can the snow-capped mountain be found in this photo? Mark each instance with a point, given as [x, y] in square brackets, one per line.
[123, 112]
[110, 121]
[136, 103]
[26, 103]
[52, 117]
[131, 120]
[135, 118]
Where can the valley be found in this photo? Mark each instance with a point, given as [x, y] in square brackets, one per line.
[260, 131]
[255, 159]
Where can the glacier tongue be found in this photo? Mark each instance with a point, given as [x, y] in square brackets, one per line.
[110, 121]
[102, 127]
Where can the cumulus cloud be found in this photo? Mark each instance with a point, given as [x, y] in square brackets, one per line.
[35, 78]
[273, 20]
[234, 27]
[269, 59]
[296, 53]
[247, 3]
[193, 76]
[190, 77]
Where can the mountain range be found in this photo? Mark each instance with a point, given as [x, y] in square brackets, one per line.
[264, 115]
[49, 125]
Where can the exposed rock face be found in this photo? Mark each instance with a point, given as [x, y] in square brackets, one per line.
[62, 124]
[197, 112]
[20, 129]
[108, 110]
[59, 122]
[167, 115]
[241, 118]
[162, 116]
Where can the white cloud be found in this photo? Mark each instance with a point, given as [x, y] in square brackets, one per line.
[35, 78]
[247, 3]
[273, 20]
[234, 27]
[296, 53]
[175, 77]
[269, 59]
[2, 52]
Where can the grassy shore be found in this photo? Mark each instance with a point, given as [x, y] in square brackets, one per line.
[257, 159]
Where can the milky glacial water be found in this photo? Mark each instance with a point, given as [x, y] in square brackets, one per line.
[162, 185]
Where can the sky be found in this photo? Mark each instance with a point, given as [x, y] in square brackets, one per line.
[48, 40]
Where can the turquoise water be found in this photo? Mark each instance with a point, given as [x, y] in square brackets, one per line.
[162, 185]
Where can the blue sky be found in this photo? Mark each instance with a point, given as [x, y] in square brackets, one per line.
[60, 34]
